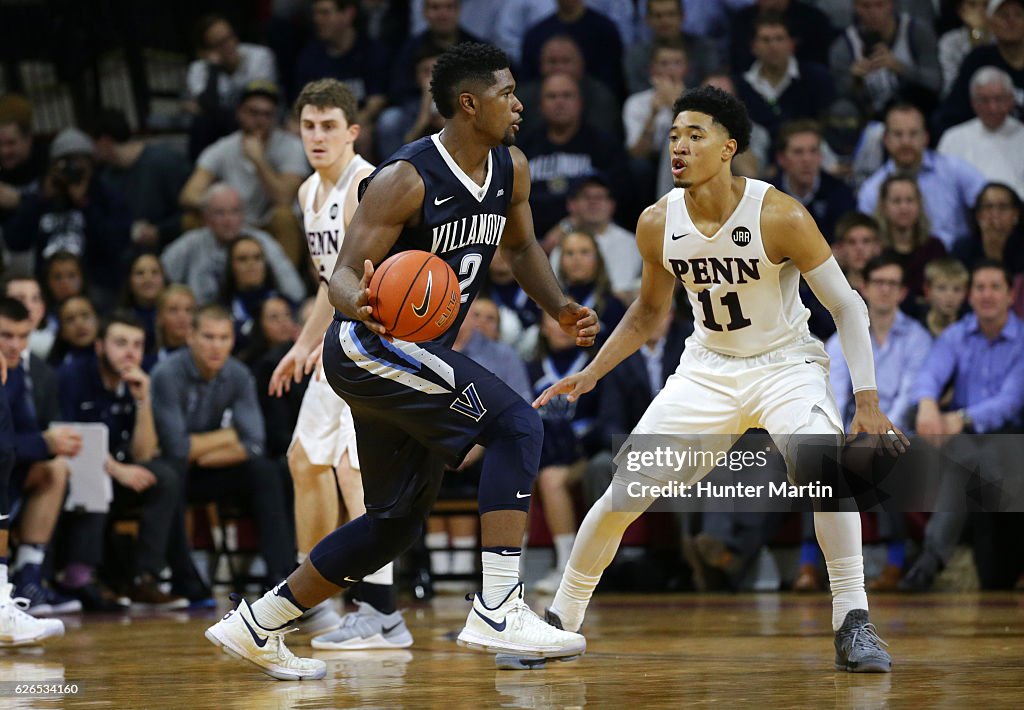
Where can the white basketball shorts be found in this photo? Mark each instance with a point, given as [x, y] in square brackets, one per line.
[715, 395]
[325, 426]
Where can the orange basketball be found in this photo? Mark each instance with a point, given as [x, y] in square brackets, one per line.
[415, 295]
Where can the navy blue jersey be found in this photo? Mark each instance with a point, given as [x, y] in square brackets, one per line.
[460, 221]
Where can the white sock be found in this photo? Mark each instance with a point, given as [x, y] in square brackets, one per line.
[846, 577]
[300, 557]
[440, 559]
[462, 558]
[385, 575]
[3, 574]
[594, 549]
[563, 546]
[501, 575]
[839, 536]
[29, 555]
[573, 597]
[272, 611]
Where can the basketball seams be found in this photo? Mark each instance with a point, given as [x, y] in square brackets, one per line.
[444, 298]
[405, 298]
[380, 280]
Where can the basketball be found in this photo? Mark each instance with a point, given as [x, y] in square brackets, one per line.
[415, 295]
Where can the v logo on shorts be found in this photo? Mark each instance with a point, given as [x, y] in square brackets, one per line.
[469, 403]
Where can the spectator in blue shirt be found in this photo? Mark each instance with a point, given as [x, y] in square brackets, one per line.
[900, 345]
[950, 186]
[983, 356]
[113, 389]
[209, 423]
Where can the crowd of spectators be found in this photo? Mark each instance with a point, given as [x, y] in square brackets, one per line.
[151, 288]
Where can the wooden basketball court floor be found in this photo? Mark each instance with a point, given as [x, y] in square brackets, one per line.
[763, 651]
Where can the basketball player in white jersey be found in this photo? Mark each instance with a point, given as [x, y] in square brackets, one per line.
[323, 457]
[739, 248]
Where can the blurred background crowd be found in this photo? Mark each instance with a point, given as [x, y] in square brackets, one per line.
[149, 167]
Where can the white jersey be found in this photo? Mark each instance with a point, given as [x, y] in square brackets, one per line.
[325, 228]
[743, 304]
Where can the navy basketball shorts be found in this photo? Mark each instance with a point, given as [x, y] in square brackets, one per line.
[416, 407]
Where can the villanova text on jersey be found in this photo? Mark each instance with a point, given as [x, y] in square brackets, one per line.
[460, 221]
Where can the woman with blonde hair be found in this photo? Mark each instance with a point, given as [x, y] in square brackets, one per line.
[906, 231]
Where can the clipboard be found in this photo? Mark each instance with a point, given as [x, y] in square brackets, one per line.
[90, 489]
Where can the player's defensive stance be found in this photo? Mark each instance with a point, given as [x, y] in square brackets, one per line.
[419, 407]
[323, 458]
[739, 248]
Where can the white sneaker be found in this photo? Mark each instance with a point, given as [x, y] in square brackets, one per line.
[513, 628]
[366, 629]
[318, 620]
[240, 635]
[548, 584]
[18, 628]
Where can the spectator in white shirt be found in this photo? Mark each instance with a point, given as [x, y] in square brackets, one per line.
[590, 206]
[647, 115]
[216, 79]
[993, 141]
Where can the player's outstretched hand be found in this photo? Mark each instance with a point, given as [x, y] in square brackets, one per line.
[870, 420]
[364, 307]
[314, 358]
[580, 322]
[573, 386]
[288, 370]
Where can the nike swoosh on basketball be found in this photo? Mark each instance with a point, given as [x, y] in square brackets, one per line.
[490, 622]
[523, 495]
[438, 202]
[679, 236]
[421, 310]
[261, 641]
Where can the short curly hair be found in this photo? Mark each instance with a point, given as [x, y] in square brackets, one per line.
[461, 64]
[724, 109]
[328, 93]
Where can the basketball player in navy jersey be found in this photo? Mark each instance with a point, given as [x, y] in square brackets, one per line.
[419, 407]
[739, 247]
[322, 458]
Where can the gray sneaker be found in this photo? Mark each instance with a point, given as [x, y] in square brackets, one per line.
[858, 646]
[317, 620]
[366, 628]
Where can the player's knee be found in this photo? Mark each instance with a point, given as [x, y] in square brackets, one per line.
[552, 479]
[522, 424]
[813, 452]
[299, 465]
[513, 444]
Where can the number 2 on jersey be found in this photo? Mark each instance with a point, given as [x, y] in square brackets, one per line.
[468, 267]
[730, 300]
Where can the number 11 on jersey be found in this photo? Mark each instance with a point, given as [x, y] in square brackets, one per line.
[730, 300]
